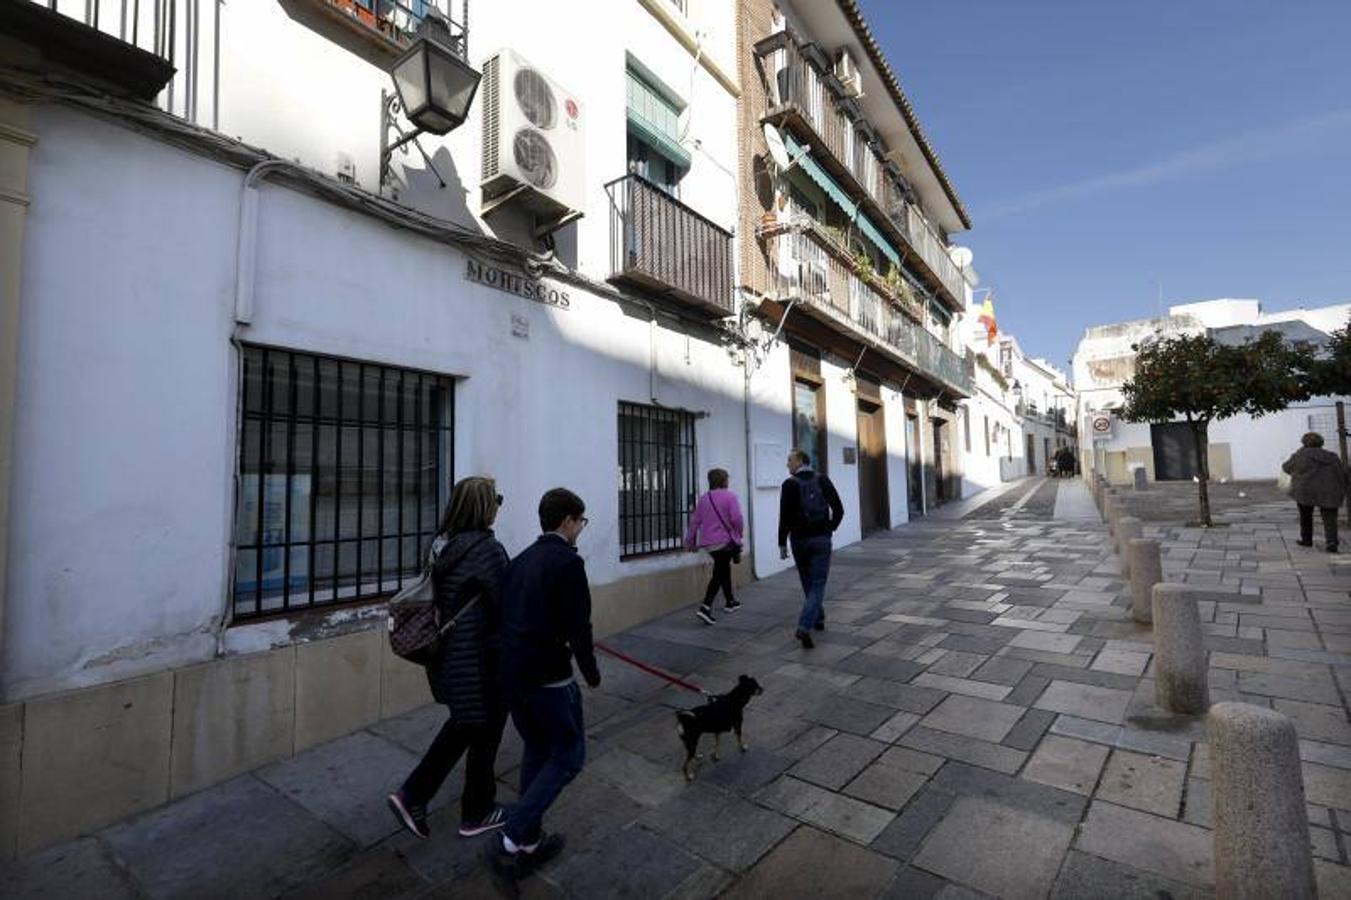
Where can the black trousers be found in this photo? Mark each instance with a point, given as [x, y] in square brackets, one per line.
[450, 743]
[722, 577]
[1329, 514]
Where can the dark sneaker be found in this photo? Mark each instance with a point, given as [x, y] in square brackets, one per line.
[731, 606]
[493, 820]
[805, 638]
[531, 859]
[410, 816]
[1332, 548]
[1305, 543]
[820, 625]
[504, 867]
[705, 615]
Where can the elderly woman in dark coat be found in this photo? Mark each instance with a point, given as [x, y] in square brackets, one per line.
[468, 569]
[1317, 478]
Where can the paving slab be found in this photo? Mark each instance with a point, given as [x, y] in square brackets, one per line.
[973, 717]
[1087, 877]
[196, 847]
[811, 863]
[345, 782]
[837, 761]
[1085, 701]
[1165, 847]
[632, 863]
[725, 830]
[996, 849]
[969, 750]
[1149, 783]
[1066, 763]
[78, 870]
[845, 816]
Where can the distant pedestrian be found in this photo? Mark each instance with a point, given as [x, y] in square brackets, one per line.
[463, 676]
[1317, 478]
[809, 512]
[546, 624]
[716, 525]
[1064, 462]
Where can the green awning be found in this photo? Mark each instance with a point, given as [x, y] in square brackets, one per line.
[658, 140]
[816, 173]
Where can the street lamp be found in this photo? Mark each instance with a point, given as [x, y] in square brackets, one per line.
[436, 84]
[435, 87]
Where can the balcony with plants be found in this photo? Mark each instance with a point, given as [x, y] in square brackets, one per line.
[807, 101]
[811, 264]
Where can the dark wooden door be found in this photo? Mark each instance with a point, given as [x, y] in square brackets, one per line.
[874, 503]
[1174, 451]
[914, 458]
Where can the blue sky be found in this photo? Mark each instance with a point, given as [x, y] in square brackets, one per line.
[1103, 147]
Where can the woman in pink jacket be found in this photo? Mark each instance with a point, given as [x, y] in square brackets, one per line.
[717, 525]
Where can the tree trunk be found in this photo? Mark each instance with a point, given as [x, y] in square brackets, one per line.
[1201, 441]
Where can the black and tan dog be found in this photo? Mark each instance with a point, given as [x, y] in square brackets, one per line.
[716, 717]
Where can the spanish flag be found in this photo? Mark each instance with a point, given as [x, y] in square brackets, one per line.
[986, 318]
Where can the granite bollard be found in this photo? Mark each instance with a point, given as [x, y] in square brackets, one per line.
[1128, 528]
[1146, 571]
[1179, 651]
[1257, 805]
[1109, 513]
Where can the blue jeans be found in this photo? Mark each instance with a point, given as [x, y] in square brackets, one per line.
[549, 720]
[812, 557]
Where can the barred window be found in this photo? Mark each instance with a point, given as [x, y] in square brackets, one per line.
[343, 470]
[657, 480]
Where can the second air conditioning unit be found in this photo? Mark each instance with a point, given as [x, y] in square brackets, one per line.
[846, 72]
[533, 148]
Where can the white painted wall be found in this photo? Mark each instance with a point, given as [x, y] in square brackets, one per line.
[294, 92]
[124, 447]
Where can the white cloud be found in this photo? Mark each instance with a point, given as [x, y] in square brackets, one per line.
[1253, 146]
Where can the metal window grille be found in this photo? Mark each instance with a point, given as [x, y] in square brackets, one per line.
[657, 479]
[343, 469]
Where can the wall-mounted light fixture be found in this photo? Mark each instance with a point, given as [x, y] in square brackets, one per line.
[434, 87]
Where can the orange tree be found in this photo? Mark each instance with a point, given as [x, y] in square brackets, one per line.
[1200, 380]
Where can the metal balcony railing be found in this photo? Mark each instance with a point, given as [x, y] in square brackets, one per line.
[807, 267]
[661, 244]
[797, 86]
[187, 33]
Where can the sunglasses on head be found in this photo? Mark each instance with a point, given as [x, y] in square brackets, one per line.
[499, 499]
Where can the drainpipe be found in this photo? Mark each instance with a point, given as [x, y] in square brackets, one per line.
[246, 257]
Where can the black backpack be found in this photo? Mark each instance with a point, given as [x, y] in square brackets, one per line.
[815, 509]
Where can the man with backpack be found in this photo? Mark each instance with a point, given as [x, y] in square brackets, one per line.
[809, 512]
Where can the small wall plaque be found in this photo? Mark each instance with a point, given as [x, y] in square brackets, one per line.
[850, 456]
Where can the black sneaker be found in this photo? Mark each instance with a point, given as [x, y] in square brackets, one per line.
[493, 820]
[1332, 548]
[820, 625]
[532, 858]
[731, 606]
[412, 817]
[1305, 543]
[504, 867]
[805, 638]
[705, 615]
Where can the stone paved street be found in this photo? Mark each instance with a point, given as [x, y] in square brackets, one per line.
[976, 720]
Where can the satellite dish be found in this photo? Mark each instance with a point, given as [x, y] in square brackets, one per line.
[962, 256]
[778, 150]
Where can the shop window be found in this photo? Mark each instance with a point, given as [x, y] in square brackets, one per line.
[342, 472]
[657, 481]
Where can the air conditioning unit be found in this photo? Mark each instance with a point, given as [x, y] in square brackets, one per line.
[846, 72]
[533, 151]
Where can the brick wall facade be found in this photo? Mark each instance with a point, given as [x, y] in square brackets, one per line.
[754, 21]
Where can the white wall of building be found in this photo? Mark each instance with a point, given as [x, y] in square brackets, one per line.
[301, 96]
[125, 440]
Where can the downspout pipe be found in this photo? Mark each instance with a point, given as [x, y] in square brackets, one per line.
[246, 260]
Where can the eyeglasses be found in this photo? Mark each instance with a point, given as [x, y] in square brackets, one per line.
[499, 499]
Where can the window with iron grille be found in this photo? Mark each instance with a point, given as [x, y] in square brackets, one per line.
[657, 480]
[343, 470]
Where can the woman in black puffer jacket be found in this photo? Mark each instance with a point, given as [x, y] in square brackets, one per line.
[469, 567]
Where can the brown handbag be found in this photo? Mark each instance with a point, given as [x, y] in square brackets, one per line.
[415, 626]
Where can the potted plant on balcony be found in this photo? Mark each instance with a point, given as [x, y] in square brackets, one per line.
[863, 263]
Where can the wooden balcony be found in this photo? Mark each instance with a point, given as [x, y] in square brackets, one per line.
[661, 245]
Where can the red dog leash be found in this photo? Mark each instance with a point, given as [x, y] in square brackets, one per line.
[652, 670]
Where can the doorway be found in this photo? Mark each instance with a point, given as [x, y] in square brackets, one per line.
[1031, 455]
[1174, 451]
[914, 458]
[940, 462]
[873, 500]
